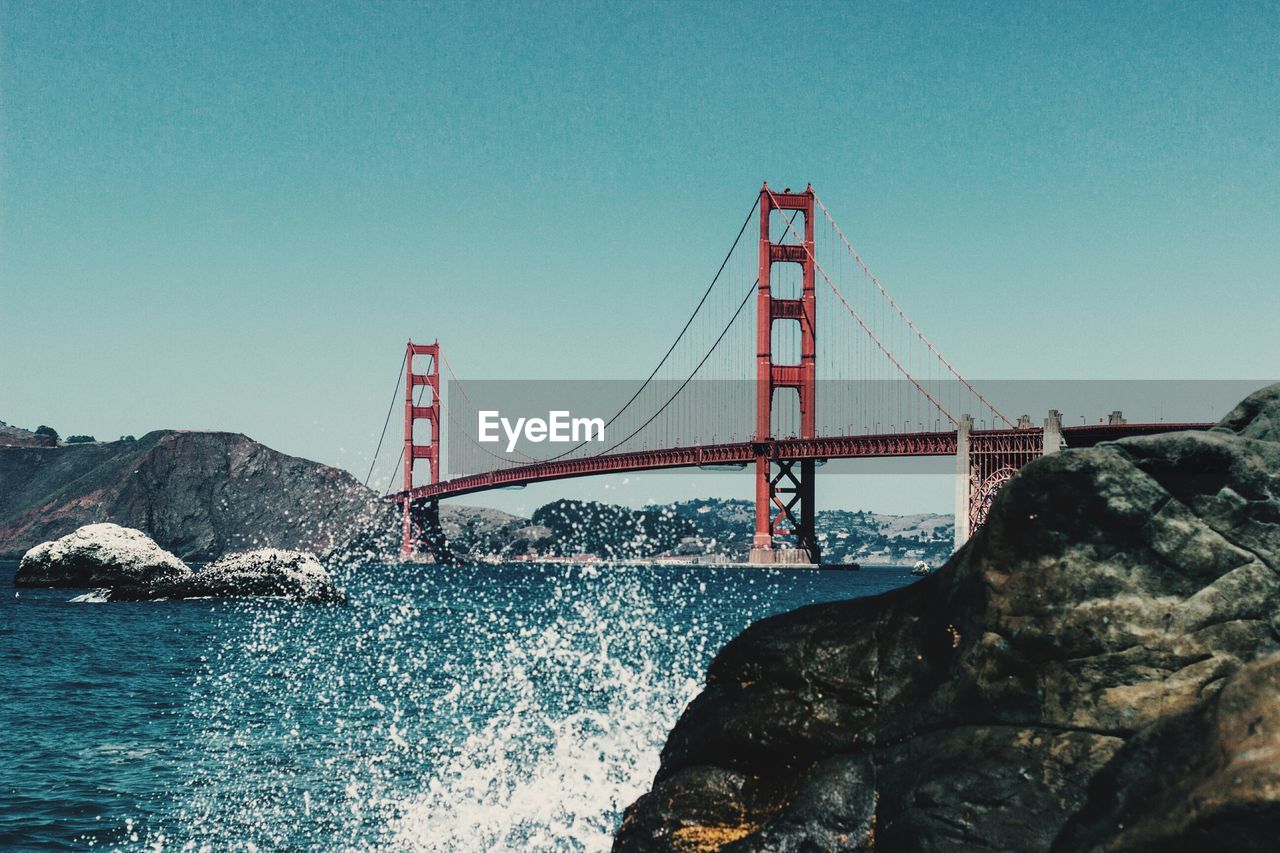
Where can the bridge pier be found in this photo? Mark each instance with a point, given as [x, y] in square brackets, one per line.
[988, 460]
[787, 490]
[423, 532]
[964, 480]
[1052, 437]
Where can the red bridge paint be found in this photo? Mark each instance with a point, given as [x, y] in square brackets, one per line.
[413, 532]
[784, 484]
[983, 443]
[785, 468]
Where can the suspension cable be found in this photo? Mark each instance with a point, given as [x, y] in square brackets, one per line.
[458, 423]
[387, 422]
[863, 323]
[867, 271]
[689, 378]
[400, 458]
[755, 284]
[706, 293]
[679, 337]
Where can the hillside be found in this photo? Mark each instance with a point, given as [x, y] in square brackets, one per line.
[19, 437]
[199, 494]
[724, 527]
[718, 530]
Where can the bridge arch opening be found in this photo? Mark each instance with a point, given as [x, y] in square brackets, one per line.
[785, 225]
[422, 364]
[422, 433]
[786, 339]
[785, 421]
[786, 280]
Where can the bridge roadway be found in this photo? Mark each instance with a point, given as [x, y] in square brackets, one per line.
[743, 453]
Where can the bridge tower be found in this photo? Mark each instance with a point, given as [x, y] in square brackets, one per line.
[421, 517]
[784, 487]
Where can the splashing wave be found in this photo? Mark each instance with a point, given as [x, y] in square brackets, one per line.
[517, 709]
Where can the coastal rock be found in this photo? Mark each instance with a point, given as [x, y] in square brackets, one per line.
[99, 555]
[1112, 592]
[128, 566]
[1202, 779]
[267, 572]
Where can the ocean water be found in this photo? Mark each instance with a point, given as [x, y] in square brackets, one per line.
[481, 708]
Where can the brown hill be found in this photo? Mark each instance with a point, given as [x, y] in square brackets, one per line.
[19, 437]
[199, 494]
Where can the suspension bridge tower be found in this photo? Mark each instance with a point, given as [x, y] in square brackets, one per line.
[784, 487]
[422, 529]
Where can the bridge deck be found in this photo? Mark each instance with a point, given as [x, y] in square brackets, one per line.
[743, 453]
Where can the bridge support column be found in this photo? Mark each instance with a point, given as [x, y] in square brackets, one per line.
[421, 518]
[423, 531]
[988, 460]
[784, 487]
[964, 480]
[1053, 440]
[762, 541]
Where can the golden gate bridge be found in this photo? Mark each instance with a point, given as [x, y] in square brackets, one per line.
[729, 392]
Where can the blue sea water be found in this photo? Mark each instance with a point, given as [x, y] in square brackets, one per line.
[481, 708]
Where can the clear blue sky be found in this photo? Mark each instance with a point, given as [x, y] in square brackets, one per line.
[231, 215]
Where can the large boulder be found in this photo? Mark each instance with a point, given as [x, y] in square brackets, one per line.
[131, 567]
[99, 555]
[1087, 629]
[1198, 780]
[296, 575]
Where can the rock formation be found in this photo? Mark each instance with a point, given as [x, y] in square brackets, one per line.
[262, 572]
[129, 566]
[199, 494]
[98, 556]
[1077, 677]
[1207, 778]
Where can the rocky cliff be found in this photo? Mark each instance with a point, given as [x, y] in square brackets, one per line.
[1096, 669]
[198, 494]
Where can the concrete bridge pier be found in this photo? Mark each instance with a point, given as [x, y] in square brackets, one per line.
[975, 484]
[964, 478]
[1053, 440]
